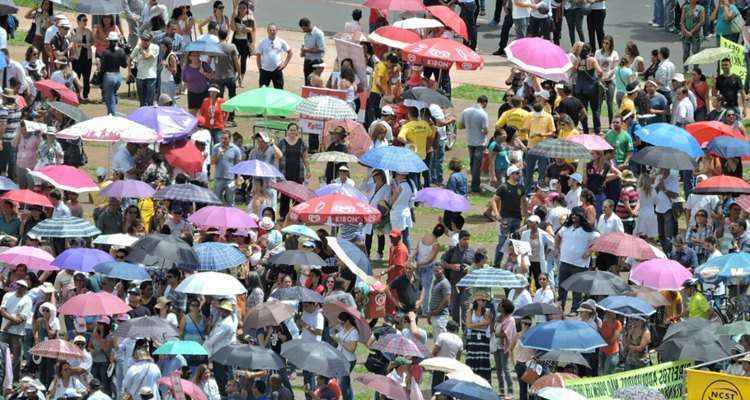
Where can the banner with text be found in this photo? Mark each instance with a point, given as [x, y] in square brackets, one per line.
[668, 378]
[737, 57]
[705, 385]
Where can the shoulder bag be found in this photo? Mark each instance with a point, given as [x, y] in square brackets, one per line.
[737, 23]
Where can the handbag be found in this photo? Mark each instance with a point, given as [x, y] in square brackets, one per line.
[30, 34]
[737, 23]
[532, 373]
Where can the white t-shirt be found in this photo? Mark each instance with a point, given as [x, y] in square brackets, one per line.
[351, 336]
[3, 38]
[523, 299]
[556, 216]
[602, 5]
[521, 12]
[450, 345]
[21, 306]
[684, 112]
[609, 225]
[536, 14]
[272, 53]
[316, 321]
[575, 242]
[573, 198]
[671, 184]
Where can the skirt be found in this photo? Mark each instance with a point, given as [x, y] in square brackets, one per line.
[478, 353]
[243, 47]
[196, 99]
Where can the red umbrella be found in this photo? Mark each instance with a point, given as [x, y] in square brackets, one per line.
[705, 131]
[25, 196]
[744, 202]
[623, 245]
[450, 19]
[184, 156]
[189, 388]
[332, 309]
[294, 190]
[335, 209]
[90, 304]
[395, 5]
[383, 385]
[722, 184]
[58, 349]
[391, 36]
[442, 54]
[49, 87]
[358, 141]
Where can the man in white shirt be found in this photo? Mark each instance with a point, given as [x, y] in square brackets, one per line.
[667, 189]
[608, 222]
[571, 244]
[16, 310]
[60, 209]
[143, 374]
[521, 14]
[145, 56]
[665, 72]
[271, 60]
[223, 334]
[344, 178]
[684, 110]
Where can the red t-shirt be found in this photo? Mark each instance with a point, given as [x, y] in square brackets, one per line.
[206, 120]
[397, 256]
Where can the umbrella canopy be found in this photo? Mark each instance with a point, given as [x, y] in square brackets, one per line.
[72, 112]
[395, 5]
[742, 201]
[153, 328]
[722, 184]
[270, 313]
[185, 156]
[332, 309]
[187, 192]
[28, 197]
[58, 349]
[627, 305]
[325, 107]
[353, 252]
[181, 347]
[110, 129]
[50, 88]
[399, 344]
[293, 190]
[650, 296]
[451, 20]
[203, 46]
[416, 23]
[91, 304]
[565, 357]
[358, 141]
[33, 258]
[300, 230]
[444, 364]
[553, 380]
[443, 199]
[65, 177]
[296, 257]
[468, 376]
[334, 156]
[7, 184]
[736, 328]
[428, 96]
[703, 346]
[222, 218]
[116, 239]
[394, 37]
[538, 56]
[671, 136]
[264, 101]
[128, 188]
[623, 245]
[705, 131]
[442, 54]
[728, 147]
[341, 188]
[537, 309]
[383, 385]
[211, 283]
[189, 388]
[122, 270]
[81, 259]
[465, 390]
[688, 328]
[561, 148]
[732, 266]
[297, 293]
[317, 357]
[394, 158]
[167, 121]
[563, 335]
[664, 157]
[660, 274]
[64, 227]
[249, 357]
[334, 209]
[163, 251]
[256, 168]
[708, 56]
[492, 278]
[92, 7]
[558, 393]
[591, 142]
[214, 256]
[596, 283]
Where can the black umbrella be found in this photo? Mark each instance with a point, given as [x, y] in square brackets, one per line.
[163, 251]
[664, 157]
[567, 357]
[146, 327]
[187, 192]
[298, 293]
[317, 357]
[688, 328]
[537, 309]
[596, 283]
[247, 356]
[69, 111]
[428, 96]
[7, 7]
[297, 257]
[702, 346]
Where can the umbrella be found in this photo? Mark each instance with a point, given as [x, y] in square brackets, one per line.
[187, 387]
[334, 156]
[416, 23]
[300, 230]
[395, 5]
[256, 168]
[468, 376]
[187, 192]
[91, 304]
[703, 346]
[265, 101]
[222, 218]
[399, 344]
[558, 393]
[92, 7]
[344, 249]
[561, 148]
[390, 36]
[325, 107]
[623, 245]
[444, 364]
[33, 258]
[722, 184]
[451, 20]
[626, 305]
[563, 335]
[671, 136]
[555, 380]
[270, 313]
[7, 184]
[650, 296]
[688, 328]
[25, 196]
[51, 88]
[116, 239]
[728, 147]
[211, 283]
[74, 113]
[537, 309]
[128, 188]
[492, 278]
[709, 56]
[596, 283]
[7, 7]
[358, 140]
[168, 121]
[638, 392]
[660, 274]
[110, 129]
[393, 158]
[736, 328]
[65, 177]
[153, 328]
[247, 356]
[334, 209]
[729, 266]
[383, 385]
[664, 157]
[81, 259]
[297, 293]
[122, 270]
[565, 357]
[64, 227]
[342, 189]
[332, 309]
[296, 257]
[214, 256]
[185, 156]
[58, 349]
[591, 142]
[442, 54]
[539, 56]
[203, 46]
[163, 251]
[293, 190]
[463, 390]
[181, 347]
[317, 357]
[443, 199]
[428, 96]
[742, 201]
[705, 131]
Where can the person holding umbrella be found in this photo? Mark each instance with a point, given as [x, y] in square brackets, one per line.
[224, 333]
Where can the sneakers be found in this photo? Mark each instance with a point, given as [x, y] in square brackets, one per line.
[500, 53]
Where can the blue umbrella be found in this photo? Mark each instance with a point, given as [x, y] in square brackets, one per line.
[563, 335]
[392, 158]
[257, 168]
[627, 306]
[203, 46]
[667, 135]
[356, 255]
[218, 256]
[81, 259]
[7, 184]
[301, 230]
[463, 390]
[122, 270]
[339, 188]
[728, 147]
[734, 266]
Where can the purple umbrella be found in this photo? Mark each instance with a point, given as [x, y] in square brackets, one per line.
[128, 188]
[443, 199]
[171, 122]
[256, 168]
[81, 259]
[339, 188]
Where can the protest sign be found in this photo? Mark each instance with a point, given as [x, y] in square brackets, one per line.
[706, 385]
[668, 378]
[738, 57]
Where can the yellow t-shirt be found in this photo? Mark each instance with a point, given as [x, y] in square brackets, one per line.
[627, 106]
[98, 200]
[379, 75]
[417, 133]
[538, 127]
[514, 118]
[567, 133]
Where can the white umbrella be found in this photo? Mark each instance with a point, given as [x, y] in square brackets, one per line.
[325, 107]
[418, 23]
[468, 376]
[558, 393]
[116, 239]
[211, 284]
[110, 129]
[444, 364]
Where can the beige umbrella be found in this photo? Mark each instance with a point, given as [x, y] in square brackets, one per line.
[445, 364]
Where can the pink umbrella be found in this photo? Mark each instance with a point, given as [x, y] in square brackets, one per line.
[222, 218]
[660, 274]
[188, 387]
[401, 345]
[384, 385]
[395, 5]
[539, 56]
[358, 141]
[32, 257]
[450, 19]
[91, 304]
[591, 142]
[67, 178]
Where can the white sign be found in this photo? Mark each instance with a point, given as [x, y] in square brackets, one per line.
[311, 126]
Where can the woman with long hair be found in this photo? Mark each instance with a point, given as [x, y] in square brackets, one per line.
[185, 23]
[101, 33]
[100, 346]
[217, 15]
[243, 26]
[203, 378]
[645, 223]
[294, 162]
[42, 17]
[633, 55]
[64, 380]
[478, 324]
[349, 82]
[347, 338]
[699, 87]
[697, 234]
[587, 72]
[196, 77]
[608, 60]
[169, 68]
[81, 54]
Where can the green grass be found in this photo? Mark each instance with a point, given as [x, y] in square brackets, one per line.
[470, 92]
[28, 3]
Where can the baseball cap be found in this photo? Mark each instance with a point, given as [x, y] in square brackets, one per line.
[263, 136]
[543, 94]
[679, 77]
[343, 168]
[387, 110]
[535, 219]
[577, 177]
[512, 170]
[79, 339]
[22, 282]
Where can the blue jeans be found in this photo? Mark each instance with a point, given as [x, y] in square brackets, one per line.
[110, 84]
[502, 366]
[223, 190]
[475, 164]
[508, 226]
[532, 162]
[436, 163]
[8, 160]
[425, 276]
[659, 12]
[146, 91]
[599, 203]
[608, 363]
[345, 382]
[566, 271]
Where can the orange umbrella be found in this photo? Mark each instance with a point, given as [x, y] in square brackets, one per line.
[556, 379]
[184, 156]
[450, 19]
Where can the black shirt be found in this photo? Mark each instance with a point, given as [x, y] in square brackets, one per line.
[510, 197]
[139, 311]
[554, 171]
[113, 60]
[60, 43]
[572, 107]
[729, 87]
[407, 291]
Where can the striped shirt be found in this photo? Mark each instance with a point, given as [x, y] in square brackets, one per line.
[11, 115]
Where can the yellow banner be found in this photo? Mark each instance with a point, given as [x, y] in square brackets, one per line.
[705, 385]
[737, 57]
[667, 378]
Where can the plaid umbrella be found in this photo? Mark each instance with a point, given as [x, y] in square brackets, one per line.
[325, 107]
[163, 251]
[561, 148]
[58, 349]
[294, 190]
[269, 313]
[153, 328]
[64, 227]
[218, 256]
[247, 356]
[298, 293]
[187, 192]
[401, 345]
[492, 278]
[334, 156]
[394, 158]
[623, 245]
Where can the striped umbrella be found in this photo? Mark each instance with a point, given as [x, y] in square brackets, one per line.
[325, 107]
[187, 192]
[58, 349]
[399, 344]
[492, 278]
[64, 227]
[561, 148]
[218, 256]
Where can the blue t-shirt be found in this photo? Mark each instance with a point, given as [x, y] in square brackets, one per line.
[458, 183]
[501, 159]
[231, 156]
[724, 27]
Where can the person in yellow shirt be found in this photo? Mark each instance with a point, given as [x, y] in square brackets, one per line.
[514, 119]
[420, 134]
[539, 125]
[567, 129]
[379, 87]
[628, 102]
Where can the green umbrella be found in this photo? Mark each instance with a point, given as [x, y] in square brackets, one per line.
[184, 347]
[708, 56]
[263, 101]
[734, 329]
